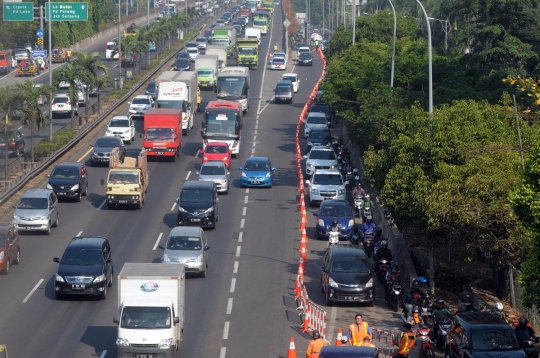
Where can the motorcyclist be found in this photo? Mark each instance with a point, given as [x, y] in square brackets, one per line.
[525, 332]
[317, 44]
[498, 310]
[465, 303]
[358, 191]
[366, 204]
[355, 231]
[415, 295]
[440, 313]
[384, 252]
[393, 275]
[379, 236]
[275, 47]
[334, 227]
[368, 227]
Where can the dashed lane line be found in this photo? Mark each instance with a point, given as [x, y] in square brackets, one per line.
[226, 330]
[229, 305]
[157, 241]
[103, 354]
[188, 174]
[244, 211]
[240, 236]
[233, 285]
[103, 203]
[235, 268]
[79, 234]
[246, 199]
[33, 290]
[242, 223]
[238, 249]
[223, 352]
[173, 206]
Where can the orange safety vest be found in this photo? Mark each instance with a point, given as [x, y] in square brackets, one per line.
[357, 336]
[367, 344]
[407, 342]
[314, 348]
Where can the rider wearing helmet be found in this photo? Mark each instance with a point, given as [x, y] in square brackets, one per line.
[334, 227]
[367, 204]
[355, 235]
[465, 303]
[498, 310]
[358, 191]
[275, 47]
[524, 331]
[384, 252]
[440, 312]
[415, 295]
[393, 275]
[379, 236]
[369, 226]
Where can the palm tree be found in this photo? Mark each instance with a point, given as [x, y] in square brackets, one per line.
[32, 112]
[72, 75]
[92, 64]
[100, 83]
[10, 103]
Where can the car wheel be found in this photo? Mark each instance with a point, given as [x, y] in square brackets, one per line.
[327, 300]
[203, 274]
[48, 232]
[57, 219]
[6, 271]
[140, 205]
[104, 294]
[109, 284]
[86, 190]
[18, 258]
[79, 197]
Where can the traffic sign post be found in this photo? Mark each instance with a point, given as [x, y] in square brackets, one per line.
[67, 11]
[18, 11]
[39, 33]
[38, 53]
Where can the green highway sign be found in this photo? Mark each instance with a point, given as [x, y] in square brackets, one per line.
[18, 11]
[67, 11]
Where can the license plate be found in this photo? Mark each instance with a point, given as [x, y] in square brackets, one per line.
[349, 298]
[255, 182]
[145, 356]
[60, 105]
[78, 287]
[59, 194]
[122, 201]
[195, 220]
[159, 153]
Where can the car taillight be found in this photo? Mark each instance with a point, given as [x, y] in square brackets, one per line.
[13, 144]
[53, 103]
[68, 103]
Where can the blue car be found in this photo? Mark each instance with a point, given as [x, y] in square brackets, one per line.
[334, 209]
[152, 46]
[257, 171]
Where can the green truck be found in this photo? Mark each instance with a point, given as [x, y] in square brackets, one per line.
[247, 52]
[225, 36]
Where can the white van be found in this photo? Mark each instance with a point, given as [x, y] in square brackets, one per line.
[109, 48]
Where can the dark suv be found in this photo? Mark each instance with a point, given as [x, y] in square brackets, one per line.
[346, 275]
[198, 204]
[16, 143]
[481, 334]
[69, 180]
[325, 108]
[85, 268]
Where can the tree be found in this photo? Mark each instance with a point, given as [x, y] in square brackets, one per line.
[10, 103]
[100, 83]
[33, 115]
[92, 65]
[74, 76]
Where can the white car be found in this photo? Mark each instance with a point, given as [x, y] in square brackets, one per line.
[280, 54]
[320, 158]
[82, 97]
[293, 77]
[122, 127]
[139, 105]
[278, 64]
[61, 105]
[42, 100]
[201, 42]
[65, 85]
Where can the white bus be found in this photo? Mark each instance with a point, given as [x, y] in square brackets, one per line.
[233, 85]
[109, 48]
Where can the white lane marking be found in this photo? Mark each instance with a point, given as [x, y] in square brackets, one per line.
[255, 132]
[103, 203]
[79, 234]
[197, 155]
[157, 241]
[254, 139]
[264, 69]
[235, 269]
[242, 222]
[229, 305]
[173, 206]
[226, 330]
[266, 105]
[103, 354]
[222, 352]
[244, 209]
[257, 126]
[331, 324]
[238, 248]
[245, 200]
[247, 190]
[253, 150]
[33, 290]
[188, 174]
[233, 284]
[240, 236]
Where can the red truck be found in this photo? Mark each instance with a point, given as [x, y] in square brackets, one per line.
[245, 11]
[163, 132]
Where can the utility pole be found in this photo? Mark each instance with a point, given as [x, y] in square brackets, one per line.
[353, 20]
[50, 73]
[119, 45]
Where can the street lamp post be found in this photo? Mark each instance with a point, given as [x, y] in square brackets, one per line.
[353, 20]
[446, 28]
[430, 70]
[393, 46]
[119, 45]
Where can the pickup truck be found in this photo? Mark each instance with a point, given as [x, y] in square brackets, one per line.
[127, 181]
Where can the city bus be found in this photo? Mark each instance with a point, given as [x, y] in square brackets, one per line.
[222, 122]
[233, 85]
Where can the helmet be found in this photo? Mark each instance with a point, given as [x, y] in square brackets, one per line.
[439, 302]
[423, 280]
[356, 228]
[416, 310]
[415, 284]
[367, 196]
[523, 321]
[355, 171]
[359, 186]
[384, 244]
[334, 222]
[378, 231]
[466, 296]
[316, 334]
[498, 308]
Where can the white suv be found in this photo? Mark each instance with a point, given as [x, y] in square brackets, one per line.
[122, 127]
[61, 104]
[139, 105]
[320, 158]
[326, 184]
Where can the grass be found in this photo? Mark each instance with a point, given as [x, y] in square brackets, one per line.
[47, 147]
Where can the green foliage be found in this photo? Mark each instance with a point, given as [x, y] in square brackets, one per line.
[60, 138]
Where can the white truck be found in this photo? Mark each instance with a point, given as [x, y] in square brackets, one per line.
[253, 33]
[206, 67]
[174, 90]
[220, 51]
[151, 304]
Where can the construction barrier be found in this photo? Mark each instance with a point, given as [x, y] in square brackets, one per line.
[384, 337]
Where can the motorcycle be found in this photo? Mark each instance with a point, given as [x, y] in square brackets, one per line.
[422, 334]
[358, 204]
[384, 265]
[355, 239]
[529, 349]
[366, 211]
[395, 295]
[368, 243]
[333, 238]
[442, 330]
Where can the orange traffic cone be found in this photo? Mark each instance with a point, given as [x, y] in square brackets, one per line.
[303, 223]
[339, 335]
[302, 206]
[297, 287]
[303, 251]
[292, 349]
[301, 270]
[304, 238]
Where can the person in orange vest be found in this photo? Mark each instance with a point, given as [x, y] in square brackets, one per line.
[358, 330]
[315, 345]
[367, 342]
[408, 340]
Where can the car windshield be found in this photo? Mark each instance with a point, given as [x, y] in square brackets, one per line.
[220, 41]
[327, 179]
[204, 72]
[61, 99]
[160, 134]
[247, 51]
[196, 196]
[319, 108]
[33, 203]
[278, 60]
[82, 257]
[257, 166]
[192, 50]
[182, 55]
[350, 265]
[124, 178]
[493, 340]
[65, 173]
[289, 78]
[151, 86]
[305, 55]
[184, 243]
[107, 143]
[201, 39]
[316, 120]
[119, 123]
[322, 154]
[318, 135]
[215, 149]
[336, 210]
[182, 62]
[283, 88]
[140, 101]
[259, 22]
[232, 87]
[146, 317]
[212, 170]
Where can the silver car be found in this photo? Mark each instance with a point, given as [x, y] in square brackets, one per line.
[217, 172]
[326, 184]
[320, 158]
[187, 245]
[139, 105]
[315, 120]
[36, 210]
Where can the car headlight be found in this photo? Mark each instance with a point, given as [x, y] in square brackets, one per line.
[108, 131]
[122, 342]
[244, 175]
[205, 158]
[166, 343]
[209, 210]
[370, 283]
[15, 216]
[333, 166]
[225, 158]
[1, 255]
[268, 175]
[351, 222]
[165, 258]
[199, 258]
[126, 131]
[320, 222]
[331, 282]
[99, 279]
[224, 180]
[59, 278]
[310, 165]
[341, 191]
[49, 186]
[74, 187]
[182, 209]
[314, 191]
[132, 111]
[94, 153]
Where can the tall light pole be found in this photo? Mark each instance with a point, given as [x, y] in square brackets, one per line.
[50, 73]
[430, 70]
[323, 20]
[148, 15]
[119, 45]
[446, 28]
[353, 3]
[393, 46]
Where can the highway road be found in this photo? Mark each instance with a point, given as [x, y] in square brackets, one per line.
[244, 308]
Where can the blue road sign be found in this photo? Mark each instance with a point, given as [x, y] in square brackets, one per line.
[38, 53]
[39, 33]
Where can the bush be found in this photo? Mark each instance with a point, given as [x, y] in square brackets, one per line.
[47, 147]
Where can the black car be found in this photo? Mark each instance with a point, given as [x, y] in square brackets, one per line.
[304, 59]
[182, 64]
[16, 143]
[325, 108]
[151, 89]
[198, 204]
[208, 34]
[182, 55]
[346, 275]
[481, 334]
[318, 137]
[103, 148]
[128, 60]
[85, 268]
[241, 23]
[69, 180]
[238, 28]
[284, 92]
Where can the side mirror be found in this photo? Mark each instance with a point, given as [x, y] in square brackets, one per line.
[316, 213]
[102, 181]
[217, 200]
[307, 182]
[116, 320]
[176, 320]
[48, 175]
[206, 248]
[273, 169]
[239, 168]
[56, 259]
[177, 200]
[161, 247]
[304, 156]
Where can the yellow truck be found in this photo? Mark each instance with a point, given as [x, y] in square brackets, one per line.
[127, 181]
[27, 68]
[247, 52]
[60, 54]
[131, 30]
[199, 99]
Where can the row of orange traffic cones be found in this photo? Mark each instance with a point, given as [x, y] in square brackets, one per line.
[292, 349]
